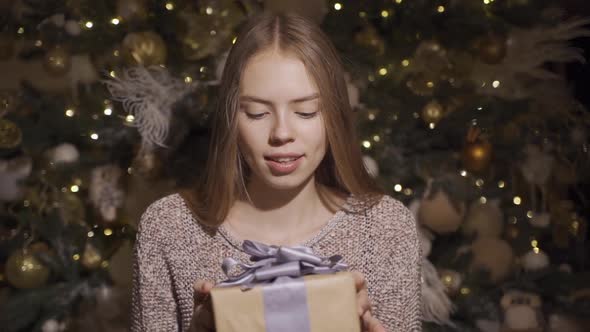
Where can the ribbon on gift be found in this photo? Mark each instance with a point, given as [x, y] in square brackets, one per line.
[281, 270]
[277, 264]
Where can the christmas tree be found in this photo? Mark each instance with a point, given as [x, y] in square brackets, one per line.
[463, 107]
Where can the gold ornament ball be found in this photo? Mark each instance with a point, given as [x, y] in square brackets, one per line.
[6, 46]
[91, 258]
[476, 156]
[10, 134]
[144, 48]
[492, 255]
[57, 61]
[23, 270]
[491, 48]
[130, 10]
[432, 112]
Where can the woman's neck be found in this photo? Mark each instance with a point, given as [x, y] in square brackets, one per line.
[282, 217]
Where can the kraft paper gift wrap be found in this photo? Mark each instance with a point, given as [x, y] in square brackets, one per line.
[286, 289]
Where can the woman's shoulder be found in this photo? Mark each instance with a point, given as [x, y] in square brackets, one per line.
[391, 217]
[164, 214]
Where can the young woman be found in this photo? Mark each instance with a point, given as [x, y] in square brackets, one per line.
[284, 168]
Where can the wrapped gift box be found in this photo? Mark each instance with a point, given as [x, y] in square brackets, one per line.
[313, 303]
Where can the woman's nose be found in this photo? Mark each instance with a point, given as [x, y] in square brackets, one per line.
[281, 131]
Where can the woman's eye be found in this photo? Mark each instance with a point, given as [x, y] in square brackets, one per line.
[255, 115]
[307, 115]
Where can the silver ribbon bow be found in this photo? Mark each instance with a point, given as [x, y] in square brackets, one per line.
[276, 264]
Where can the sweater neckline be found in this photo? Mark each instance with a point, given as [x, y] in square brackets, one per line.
[324, 230]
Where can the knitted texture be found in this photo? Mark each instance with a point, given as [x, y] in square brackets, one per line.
[173, 250]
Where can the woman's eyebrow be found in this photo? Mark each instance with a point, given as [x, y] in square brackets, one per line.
[246, 98]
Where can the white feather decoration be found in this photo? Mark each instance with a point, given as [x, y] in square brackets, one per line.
[148, 94]
[526, 52]
[436, 305]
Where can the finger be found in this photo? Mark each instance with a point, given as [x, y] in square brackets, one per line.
[203, 286]
[362, 301]
[359, 280]
[372, 324]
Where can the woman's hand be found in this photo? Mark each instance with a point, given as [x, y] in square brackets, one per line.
[202, 320]
[368, 322]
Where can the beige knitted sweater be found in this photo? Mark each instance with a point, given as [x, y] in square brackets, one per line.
[173, 250]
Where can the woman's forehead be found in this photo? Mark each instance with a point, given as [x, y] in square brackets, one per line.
[277, 76]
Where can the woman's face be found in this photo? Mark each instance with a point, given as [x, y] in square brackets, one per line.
[281, 130]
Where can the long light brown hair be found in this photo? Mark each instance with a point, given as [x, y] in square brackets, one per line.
[226, 173]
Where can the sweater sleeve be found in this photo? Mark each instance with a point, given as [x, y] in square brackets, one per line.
[153, 307]
[398, 304]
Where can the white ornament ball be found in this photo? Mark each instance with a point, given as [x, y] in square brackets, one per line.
[73, 28]
[371, 166]
[484, 219]
[64, 153]
[540, 220]
[493, 255]
[426, 237]
[439, 214]
[565, 268]
[521, 317]
[51, 325]
[535, 260]
[537, 166]
[12, 171]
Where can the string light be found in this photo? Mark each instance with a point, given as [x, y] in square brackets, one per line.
[188, 79]
[441, 9]
[39, 43]
[337, 6]
[479, 182]
[209, 10]
[376, 138]
[367, 144]
[70, 112]
[463, 172]
[233, 41]
[534, 243]
[398, 1]
[430, 84]
[76, 257]
[405, 62]
[465, 291]
[108, 111]
[74, 188]
[408, 191]
[115, 21]
[91, 234]
[536, 250]
[89, 24]
[431, 125]
[517, 200]
[20, 30]
[384, 13]
[108, 232]
[501, 184]
[371, 116]
[113, 74]
[382, 71]
[169, 6]
[496, 84]
[130, 118]
[483, 200]
[397, 187]
[529, 214]
[94, 136]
